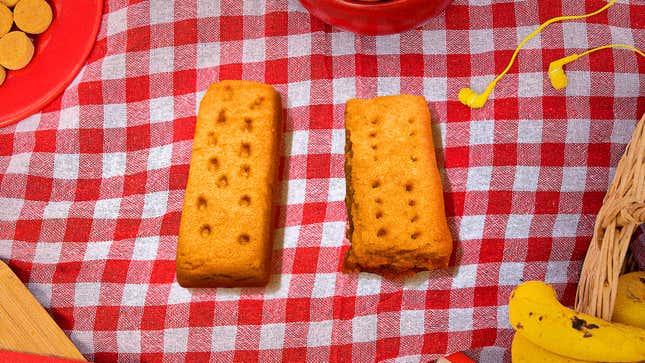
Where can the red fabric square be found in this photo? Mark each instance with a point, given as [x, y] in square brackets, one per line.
[78, 230]
[321, 66]
[170, 224]
[90, 93]
[454, 203]
[298, 310]
[294, 355]
[554, 107]
[66, 272]
[87, 189]
[231, 28]
[484, 337]
[275, 24]
[387, 348]
[412, 65]
[197, 357]
[115, 271]
[28, 230]
[6, 144]
[321, 117]
[457, 112]
[503, 15]
[485, 295]
[458, 17]
[202, 314]
[230, 71]
[438, 299]
[434, 343]
[90, 141]
[342, 353]
[491, 250]
[185, 32]
[137, 89]
[538, 249]
[389, 302]
[547, 202]
[457, 157]
[63, 316]
[366, 65]
[135, 184]
[344, 307]
[500, 202]
[602, 108]
[154, 317]
[38, 188]
[306, 258]
[249, 312]
[507, 109]
[599, 155]
[45, 141]
[163, 272]
[314, 213]
[184, 82]
[126, 228]
[504, 154]
[552, 154]
[276, 71]
[138, 39]
[592, 201]
[106, 318]
[318, 166]
[459, 65]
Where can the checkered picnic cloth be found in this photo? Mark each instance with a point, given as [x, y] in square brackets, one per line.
[91, 188]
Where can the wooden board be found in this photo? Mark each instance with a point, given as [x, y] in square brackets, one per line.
[25, 326]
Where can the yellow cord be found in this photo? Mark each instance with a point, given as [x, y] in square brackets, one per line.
[617, 45]
[472, 99]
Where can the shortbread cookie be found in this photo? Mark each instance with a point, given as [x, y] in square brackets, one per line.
[394, 196]
[33, 16]
[226, 235]
[6, 20]
[16, 50]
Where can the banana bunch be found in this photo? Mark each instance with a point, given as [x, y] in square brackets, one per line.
[547, 331]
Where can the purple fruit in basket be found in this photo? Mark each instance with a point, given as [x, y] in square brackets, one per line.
[638, 247]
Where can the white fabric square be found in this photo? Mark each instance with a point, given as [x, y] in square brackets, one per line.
[510, 273]
[5, 249]
[526, 178]
[113, 165]
[364, 328]
[529, 131]
[342, 43]
[626, 85]
[228, 294]
[159, 157]
[481, 41]
[417, 282]
[320, 333]
[29, 124]
[344, 89]
[575, 35]
[66, 166]
[333, 234]
[19, 164]
[465, 277]
[460, 319]
[208, 9]
[556, 272]
[175, 340]
[56, 210]
[368, 284]
[299, 143]
[42, 292]
[145, 248]
[278, 286]
[622, 131]
[296, 191]
[107, 208]
[299, 94]
[253, 50]
[482, 132]
[10, 209]
[338, 141]
[117, 21]
[387, 86]
[299, 45]
[324, 285]
[291, 234]
[155, 204]
[435, 88]
[223, 338]
[471, 227]
[530, 84]
[479, 178]
[86, 294]
[178, 294]
[208, 55]
[412, 322]
[272, 336]
[578, 131]
[336, 190]
[114, 116]
[161, 11]
[388, 44]
[566, 225]
[97, 251]
[502, 317]
[162, 109]
[518, 225]
[580, 84]
[47, 252]
[253, 7]
[128, 341]
[162, 60]
[68, 118]
[574, 179]
[83, 340]
[134, 295]
[113, 66]
[434, 42]
[523, 32]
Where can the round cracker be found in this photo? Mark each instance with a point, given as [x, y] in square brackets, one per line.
[9, 3]
[16, 50]
[33, 16]
[6, 20]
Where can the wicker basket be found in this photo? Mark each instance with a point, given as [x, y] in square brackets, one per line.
[622, 211]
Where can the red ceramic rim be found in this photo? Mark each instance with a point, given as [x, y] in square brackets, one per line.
[61, 51]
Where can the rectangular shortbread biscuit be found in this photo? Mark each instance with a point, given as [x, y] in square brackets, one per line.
[225, 234]
[394, 195]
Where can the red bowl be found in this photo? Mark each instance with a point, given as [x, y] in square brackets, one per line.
[375, 17]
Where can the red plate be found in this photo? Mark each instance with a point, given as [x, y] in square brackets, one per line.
[61, 51]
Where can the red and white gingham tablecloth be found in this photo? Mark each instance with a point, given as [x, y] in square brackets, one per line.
[91, 189]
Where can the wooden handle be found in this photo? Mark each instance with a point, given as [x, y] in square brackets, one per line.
[25, 326]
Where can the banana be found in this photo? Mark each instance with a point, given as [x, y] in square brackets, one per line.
[523, 351]
[535, 312]
[630, 300]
